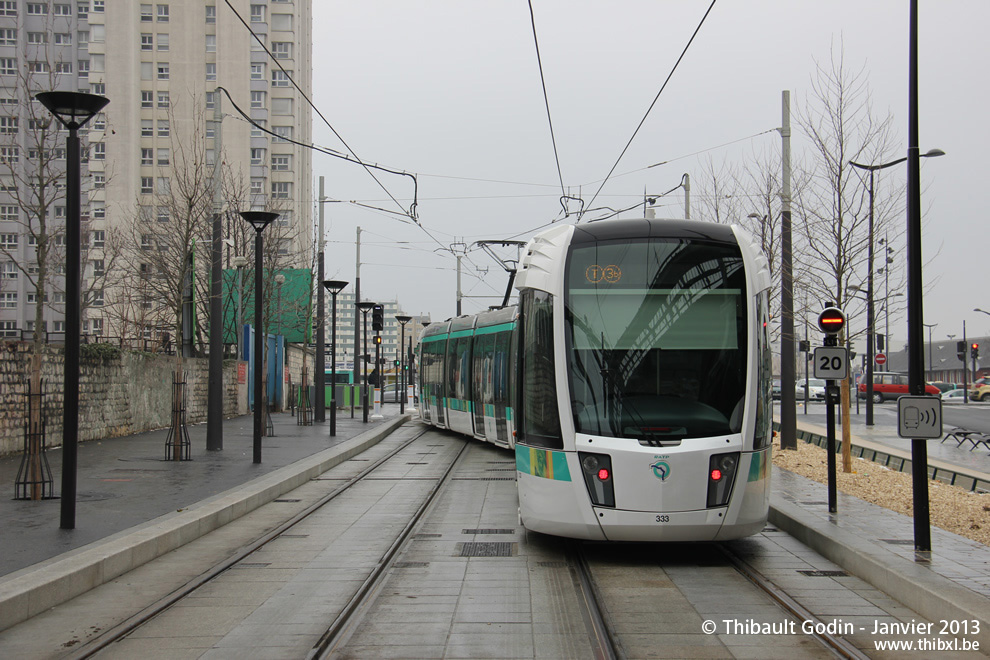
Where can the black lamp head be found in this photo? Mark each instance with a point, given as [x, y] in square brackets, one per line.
[259, 219]
[334, 286]
[72, 109]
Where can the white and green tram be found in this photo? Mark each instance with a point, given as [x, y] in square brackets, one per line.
[633, 381]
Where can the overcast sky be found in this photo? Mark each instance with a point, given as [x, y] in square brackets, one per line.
[450, 90]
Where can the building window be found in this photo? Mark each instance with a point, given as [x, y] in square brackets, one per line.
[8, 270]
[147, 99]
[99, 210]
[8, 66]
[97, 326]
[99, 89]
[211, 100]
[63, 10]
[8, 241]
[281, 189]
[257, 186]
[280, 78]
[99, 151]
[147, 128]
[38, 67]
[211, 14]
[147, 41]
[9, 213]
[164, 185]
[147, 70]
[162, 41]
[257, 157]
[211, 43]
[83, 68]
[82, 8]
[163, 128]
[163, 70]
[147, 157]
[10, 155]
[97, 62]
[281, 106]
[211, 130]
[163, 156]
[281, 162]
[146, 13]
[147, 185]
[8, 300]
[37, 8]
[257, 43]
[162, 214]
[163, 13]
[98, 267]
[98, 6]
[257, 71]
[284, 133]
[256, 131]
[37, 37]
[98, 33]
[282, 50]
[8, 8]
[63, 39]
[257, 99]
[282, 22]
[257, 13]
[63, 67]
[99, 238]
[163, 99]
[8, 37]
[99, 181]
[82, 36]
[211, 72]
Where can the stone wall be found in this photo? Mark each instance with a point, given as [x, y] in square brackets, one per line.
[120, 392]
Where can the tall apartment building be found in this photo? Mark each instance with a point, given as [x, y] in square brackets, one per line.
[347, 312]
[153, 148]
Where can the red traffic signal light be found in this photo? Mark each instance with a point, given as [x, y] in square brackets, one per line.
[831, 320]
[975, 350]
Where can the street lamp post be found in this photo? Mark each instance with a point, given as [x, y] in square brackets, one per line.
[870, 333]
[72, 110]
[365, 307]
[258, 220]
[333, 287]
[402, 319]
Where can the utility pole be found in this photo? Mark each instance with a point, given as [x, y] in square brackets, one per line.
[318, 373]
[214, 408]
[357, 319]
[788, 415]
[686, 182]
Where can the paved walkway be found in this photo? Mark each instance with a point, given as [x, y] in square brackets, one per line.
[125, 481]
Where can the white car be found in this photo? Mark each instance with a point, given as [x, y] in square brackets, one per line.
[816, 389]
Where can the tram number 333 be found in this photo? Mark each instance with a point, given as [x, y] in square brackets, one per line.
[831, 363]
[663, 519]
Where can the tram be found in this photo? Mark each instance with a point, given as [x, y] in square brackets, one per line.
[632, 381]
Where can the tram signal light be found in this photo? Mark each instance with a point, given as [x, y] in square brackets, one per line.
[396, 363]
[961, 350]
[378, 339]
[975, 351]
[831, 320]
[880, 342]
[378, 318]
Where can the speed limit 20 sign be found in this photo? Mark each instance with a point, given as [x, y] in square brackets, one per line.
[831, 363]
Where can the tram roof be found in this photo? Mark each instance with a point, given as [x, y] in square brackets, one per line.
[605, 230]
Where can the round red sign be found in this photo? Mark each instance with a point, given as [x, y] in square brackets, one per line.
[881, 358]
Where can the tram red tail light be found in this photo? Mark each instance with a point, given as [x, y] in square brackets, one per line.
[597, 471]
[721, 474]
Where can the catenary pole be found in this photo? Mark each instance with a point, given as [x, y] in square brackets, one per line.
[788, 414]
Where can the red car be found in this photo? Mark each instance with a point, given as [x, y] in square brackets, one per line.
[889, 386]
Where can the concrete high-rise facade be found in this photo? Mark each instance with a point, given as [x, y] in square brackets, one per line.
[151, 152]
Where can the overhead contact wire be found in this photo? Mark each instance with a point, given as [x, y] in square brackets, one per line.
[546, 102]
[650, 109]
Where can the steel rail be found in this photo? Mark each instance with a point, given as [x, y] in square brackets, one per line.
[836, 643]
[338, 629]
[132, 623]
[602, 633]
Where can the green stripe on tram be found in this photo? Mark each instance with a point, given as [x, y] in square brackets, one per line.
[426, 340]
[492, 329]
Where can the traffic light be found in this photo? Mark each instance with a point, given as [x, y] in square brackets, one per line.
[378, 318]
[880, 342]
[975, 351]
[804, 345]
[378, 339]
[831, 320]
[396, 363]
[961, 350]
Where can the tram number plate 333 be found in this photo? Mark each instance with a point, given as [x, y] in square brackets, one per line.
[831, 362]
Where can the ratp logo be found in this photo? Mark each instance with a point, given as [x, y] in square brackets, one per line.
[661, 470]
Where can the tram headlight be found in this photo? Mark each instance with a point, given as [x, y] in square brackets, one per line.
[721, 474]
[597, 470]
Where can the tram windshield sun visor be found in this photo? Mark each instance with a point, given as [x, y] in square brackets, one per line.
[656, 334]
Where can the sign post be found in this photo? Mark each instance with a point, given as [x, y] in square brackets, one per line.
[832, 361]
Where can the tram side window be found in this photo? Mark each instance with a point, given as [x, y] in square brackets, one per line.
[540, 418]
[459, 369]
[764, 362]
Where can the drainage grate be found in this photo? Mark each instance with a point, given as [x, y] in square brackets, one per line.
[484, 549]
[428, 536]
[287, 501]
[824, 573]
[511, 469]
[898, 541]
[412, 564]
[483, 479]
[488, 531]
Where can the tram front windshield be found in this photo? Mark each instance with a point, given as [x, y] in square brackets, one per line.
[656, 333]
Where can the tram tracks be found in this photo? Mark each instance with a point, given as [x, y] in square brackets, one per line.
[122, 630]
